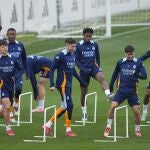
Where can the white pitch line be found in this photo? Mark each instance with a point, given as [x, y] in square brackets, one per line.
[99, 39]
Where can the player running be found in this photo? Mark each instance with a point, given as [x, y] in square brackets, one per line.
[8, 68]
[88, 61]
[64, 62]
[35, 65]
[147, 93]
[128, 70]
[16, 49]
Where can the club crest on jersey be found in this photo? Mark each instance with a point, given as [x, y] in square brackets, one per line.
[57, 57]
[19, 48]
[93, 48]
[134, 66]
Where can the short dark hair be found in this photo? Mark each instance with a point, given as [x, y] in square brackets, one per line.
[11, 29]
[70, 41]
[88, 30]
[0, 27]
[3, 42]
[129, 49]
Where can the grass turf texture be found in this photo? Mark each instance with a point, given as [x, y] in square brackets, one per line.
[111, 51]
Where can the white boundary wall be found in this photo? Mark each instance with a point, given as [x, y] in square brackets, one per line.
[41, 15]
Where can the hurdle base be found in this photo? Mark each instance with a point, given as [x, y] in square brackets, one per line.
[38, 141]
[85, 122]
[145, 125]
[97, 141]
[107, 140]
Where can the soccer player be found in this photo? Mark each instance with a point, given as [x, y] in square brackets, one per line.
[88, 61]
[147, 93]
[35, 65]
[16, 49]
[8, 68]
[64, 62]
[128, 70]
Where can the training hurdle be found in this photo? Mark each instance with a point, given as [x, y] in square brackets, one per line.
[18, 122]
[44, 137]
[95, 110]
[19, 108]
[115, 136]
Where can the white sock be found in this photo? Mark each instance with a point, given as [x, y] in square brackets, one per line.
[107, 92]
[8, 127]
[41, 103]
[11, 114]
[68, 129]
[109, 122]
[145, 108]
[137, 128]
[49, 124]
[84, 110]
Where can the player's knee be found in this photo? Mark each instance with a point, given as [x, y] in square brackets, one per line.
[6, 106]
[42, 82]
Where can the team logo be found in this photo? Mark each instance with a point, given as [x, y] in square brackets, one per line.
[3, 94]
[57, 57]
[73, 58]
[93, 48]
[12, 62]
[134, 66]
[19, 48]
[67, 97]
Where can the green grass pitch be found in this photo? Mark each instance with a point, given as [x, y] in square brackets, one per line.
[111, 51]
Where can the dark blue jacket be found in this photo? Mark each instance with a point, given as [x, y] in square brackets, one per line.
[87, 54]
[35, 64]
[8, 68]
[64, 62]
[128, 72]
[17, 50]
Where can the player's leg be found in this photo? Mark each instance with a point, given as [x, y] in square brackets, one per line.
[137, 116]
[84, 91]
[99, 76]
[1, 109]
[6, 107]
[41, 94]
[135, 105]
[68, 113]
[11, 96]
[59, 112]
[18, 90]
[145, 103]
[118, 99]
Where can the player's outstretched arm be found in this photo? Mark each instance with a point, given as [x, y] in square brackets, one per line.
[145, 56]
[141, 72]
